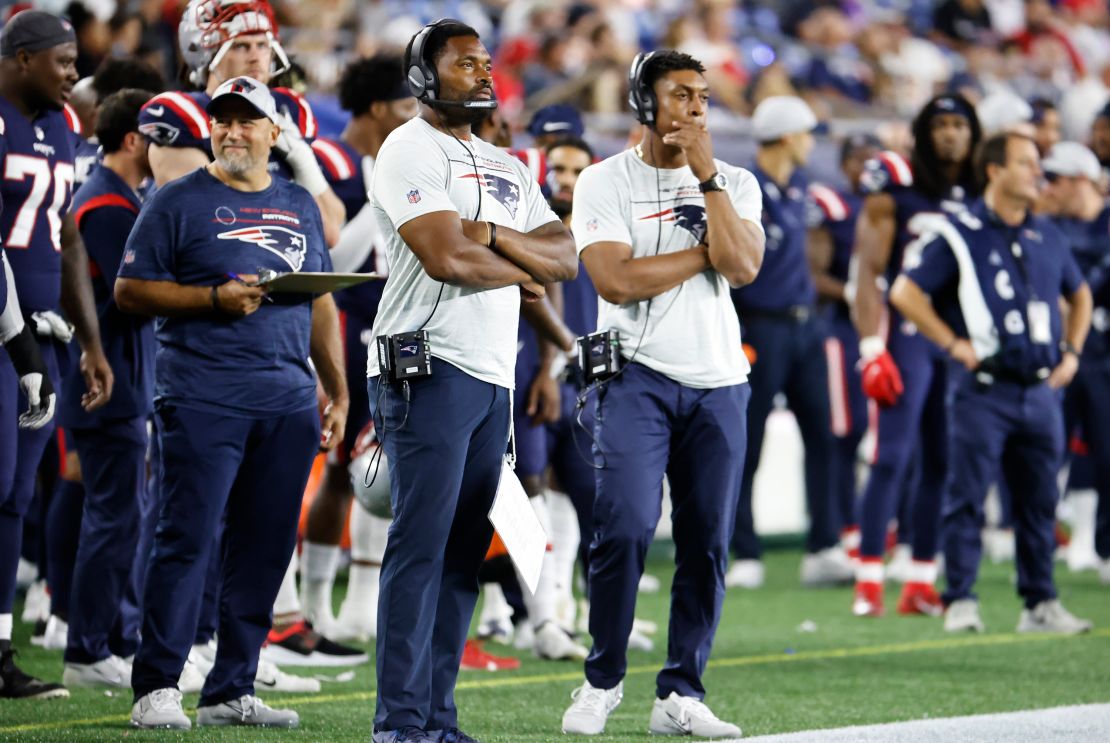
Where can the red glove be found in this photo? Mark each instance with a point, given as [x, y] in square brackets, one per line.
[881, 380]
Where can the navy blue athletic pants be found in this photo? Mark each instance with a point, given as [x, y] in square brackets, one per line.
[256, 471]
[113, 468]
[790, 358]
[445, 441]
[20, 452]
[648, 426]
[1021, 428]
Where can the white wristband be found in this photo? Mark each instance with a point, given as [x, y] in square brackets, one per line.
[306, 170]
[870, 347]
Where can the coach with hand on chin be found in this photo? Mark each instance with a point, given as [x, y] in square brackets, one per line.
[235, 402]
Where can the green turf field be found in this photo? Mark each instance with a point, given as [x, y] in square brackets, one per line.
[766, 674]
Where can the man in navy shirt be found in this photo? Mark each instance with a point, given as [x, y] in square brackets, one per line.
[779, 318]
[235, 401]
[995, 276]
[112, 441]
[1074, 176]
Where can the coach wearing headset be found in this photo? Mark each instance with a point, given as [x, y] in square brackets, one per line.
[467, 235]
[663, 230]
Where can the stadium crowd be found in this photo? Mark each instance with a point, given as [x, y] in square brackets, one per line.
[888, 217]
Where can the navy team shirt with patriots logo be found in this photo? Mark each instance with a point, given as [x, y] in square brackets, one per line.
[1090, 245]
[36, 187]
[196, 231]
[176, 119]
[784, 279]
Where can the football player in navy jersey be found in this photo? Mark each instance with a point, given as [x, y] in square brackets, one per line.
[831, 239]
[49, 264]
[235, 402]
[987, 287]
[1075, 176]
[903, 371]
[376, 95]
[219, 40]
[778, 313]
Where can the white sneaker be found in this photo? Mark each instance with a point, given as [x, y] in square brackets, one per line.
[203, 656]
[269, 676]
[677, 715]
[552, 643]
[113, 672]
[639, 641]
[524, 637]
[57, 630]
[829, 567]
[1051, 617]
[648, 584]
[246, 710]
[355, 624]
[191, 680]
[898, 569]
[26, 573]
[36, 605]
[999, 545]
[160, 708]
[962, 615]
[590, 709]
[745, 574]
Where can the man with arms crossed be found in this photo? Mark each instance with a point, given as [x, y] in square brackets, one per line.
[663, 230]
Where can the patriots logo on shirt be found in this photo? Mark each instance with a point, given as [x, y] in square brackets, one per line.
[690, 217]
[286, 244]
[505, 191]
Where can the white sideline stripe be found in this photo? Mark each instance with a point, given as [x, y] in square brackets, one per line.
[1088, 723]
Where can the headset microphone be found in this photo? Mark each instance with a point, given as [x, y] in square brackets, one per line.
[479, 104]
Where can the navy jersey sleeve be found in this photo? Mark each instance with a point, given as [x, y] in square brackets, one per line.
[297, 108]
[149, 251]
[937, 268]
[175, 120]
[886, 172]
[104, 231]
[1071, 278]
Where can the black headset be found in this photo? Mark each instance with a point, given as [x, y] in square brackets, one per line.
[640, 96]
[422, 77]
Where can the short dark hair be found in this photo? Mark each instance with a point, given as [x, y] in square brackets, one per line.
[666, 61]
[365, 81]
[576, 142]
[119, 116]
[117, 74]
[437, 41]
[993, 151]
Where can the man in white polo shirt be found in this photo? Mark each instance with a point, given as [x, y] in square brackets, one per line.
[664, 229]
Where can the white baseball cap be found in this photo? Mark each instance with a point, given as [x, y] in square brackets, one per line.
[780, 115]
[1002, 110]
[250, 90]
[1072, 159]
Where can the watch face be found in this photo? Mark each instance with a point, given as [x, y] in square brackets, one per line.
[721, 181]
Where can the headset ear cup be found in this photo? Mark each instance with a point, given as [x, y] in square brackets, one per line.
[417, 84]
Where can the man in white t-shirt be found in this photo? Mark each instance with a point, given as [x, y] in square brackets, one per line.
[664, 229]
[467, 233]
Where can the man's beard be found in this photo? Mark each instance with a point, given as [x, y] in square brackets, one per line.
[453, 116]
[236, 163]
[560, 206]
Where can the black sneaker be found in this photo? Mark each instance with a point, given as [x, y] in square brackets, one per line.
[454, 735]
[300, 645]
[15, 684]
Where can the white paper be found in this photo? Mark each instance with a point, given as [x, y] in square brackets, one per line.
[519, 527]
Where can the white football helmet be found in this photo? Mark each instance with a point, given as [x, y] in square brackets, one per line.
[208, 27]
[369, 471]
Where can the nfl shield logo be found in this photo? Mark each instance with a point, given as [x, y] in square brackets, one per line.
[414, 196]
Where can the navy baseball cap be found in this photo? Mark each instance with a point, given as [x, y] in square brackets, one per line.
[556, 119]
[35, 30]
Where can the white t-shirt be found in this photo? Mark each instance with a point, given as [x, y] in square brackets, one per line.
[692, 335]
[422, 170]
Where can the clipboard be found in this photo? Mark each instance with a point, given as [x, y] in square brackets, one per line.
[311, 282]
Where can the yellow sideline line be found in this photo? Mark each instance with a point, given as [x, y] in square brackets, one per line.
[949, 643]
